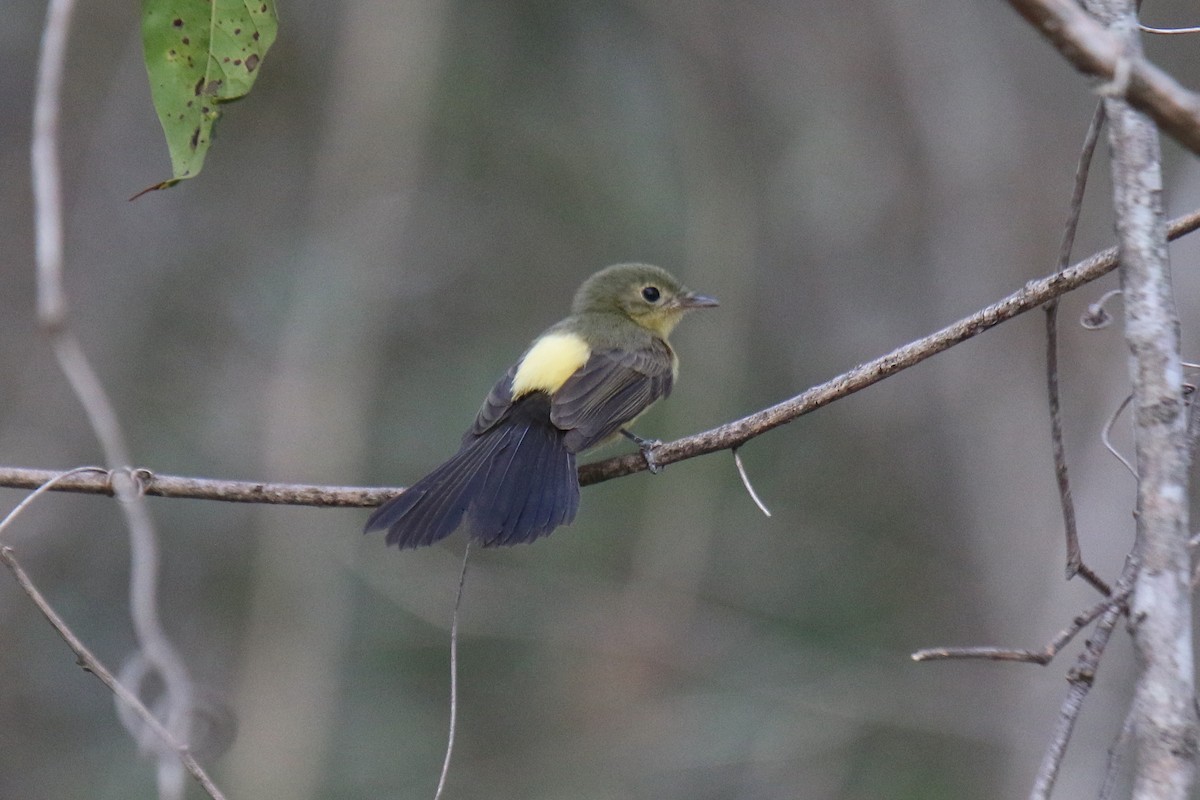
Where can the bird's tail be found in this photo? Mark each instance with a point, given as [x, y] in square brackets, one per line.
[513, 483]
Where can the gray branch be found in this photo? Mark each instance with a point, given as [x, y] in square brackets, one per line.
[1102, 53]
[732, 434]
[1163, 714]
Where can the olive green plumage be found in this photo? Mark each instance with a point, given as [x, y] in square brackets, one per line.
[581, 382]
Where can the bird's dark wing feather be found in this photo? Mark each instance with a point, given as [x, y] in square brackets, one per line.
[609, 391]
[433, 507]
[495, 406]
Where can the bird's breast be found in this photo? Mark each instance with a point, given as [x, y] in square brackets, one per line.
[549, 362]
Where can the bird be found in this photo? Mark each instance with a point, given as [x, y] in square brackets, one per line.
[581, 383]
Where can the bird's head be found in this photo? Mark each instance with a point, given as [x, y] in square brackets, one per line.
[648, 295]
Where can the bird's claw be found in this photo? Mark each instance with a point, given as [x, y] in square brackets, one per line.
[647, 447]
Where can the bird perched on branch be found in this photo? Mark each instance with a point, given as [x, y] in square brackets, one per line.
[579, 384]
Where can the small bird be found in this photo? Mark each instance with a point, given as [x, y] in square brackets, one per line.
[578, 385]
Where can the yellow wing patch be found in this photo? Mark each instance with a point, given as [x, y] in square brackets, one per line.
[550, 361]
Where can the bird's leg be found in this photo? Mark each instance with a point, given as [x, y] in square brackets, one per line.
[646, 446]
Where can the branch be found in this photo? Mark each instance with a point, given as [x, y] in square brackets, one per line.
[1075, 563]
[1163, 716]
[1080, 677]
[290, 494]
[1032, 295]
[1096, 51]
[91, 664]
[85, 657]
[1041, 657]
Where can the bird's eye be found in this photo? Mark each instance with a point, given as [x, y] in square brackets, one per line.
[651, 294]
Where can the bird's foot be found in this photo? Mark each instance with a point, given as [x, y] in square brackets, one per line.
[647, 447]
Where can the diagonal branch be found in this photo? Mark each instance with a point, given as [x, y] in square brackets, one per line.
[1101, 53]
[84, 656]
[1080, 678]
[89, 662]
[1032, 295]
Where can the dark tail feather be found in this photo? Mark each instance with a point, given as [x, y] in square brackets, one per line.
[433, 507]
[531, 488]
[515, 483]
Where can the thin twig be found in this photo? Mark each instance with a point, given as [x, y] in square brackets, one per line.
[93, 665]
[1032, 295]
[1058, 445]
[1081, 677]
[1079, 186]
[982, 653]
[1097, 316]
[1106, 435]
[45, 487]
[1042, 657]
[741, 468]
[1115, 758]
[1167, 31]
[1097, 583]
[462, 579]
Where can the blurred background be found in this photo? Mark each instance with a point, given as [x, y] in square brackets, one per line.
[412, 192]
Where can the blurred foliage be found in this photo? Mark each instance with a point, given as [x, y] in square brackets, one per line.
[411, 194]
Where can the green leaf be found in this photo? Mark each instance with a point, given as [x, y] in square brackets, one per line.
[199, 54]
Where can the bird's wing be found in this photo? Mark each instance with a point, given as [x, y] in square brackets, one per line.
[609, 391]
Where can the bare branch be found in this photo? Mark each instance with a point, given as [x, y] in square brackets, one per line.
[1032, 295]
[982, 653]
[1106, 435]
[292, 494]
[1043, 656]
[1103, 54]
[90, 663]
[741, 468]
[1058, 445]
[40, 490]
[1164, 718]
[1081, 677]
[1167, 31]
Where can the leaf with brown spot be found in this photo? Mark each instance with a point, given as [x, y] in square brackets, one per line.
[209, 48]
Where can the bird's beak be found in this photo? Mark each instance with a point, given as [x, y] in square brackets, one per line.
[693, 300]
